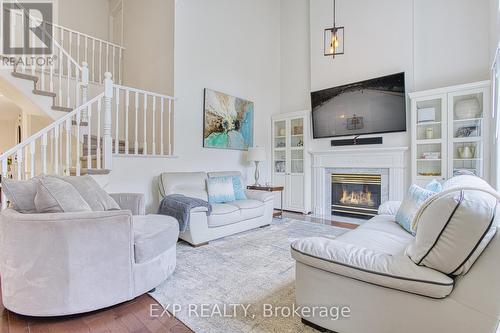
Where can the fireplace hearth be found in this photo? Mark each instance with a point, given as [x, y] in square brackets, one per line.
[356, 195]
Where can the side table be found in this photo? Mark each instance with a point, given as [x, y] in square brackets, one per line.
[276, 213]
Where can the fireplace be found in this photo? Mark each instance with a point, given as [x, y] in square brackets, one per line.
[356, 195]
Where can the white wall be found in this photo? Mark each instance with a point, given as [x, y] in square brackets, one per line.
[494, 40]
[494, 27]
[231, 46]
[9, 118]
[88, 16]
[149, 38]
[454, 48]
[295, 56]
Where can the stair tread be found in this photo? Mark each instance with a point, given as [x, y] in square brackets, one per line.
[93, 138]
[44, 93]
[82, 123]
[25, 76]
[93, 152]
[85, 171]
[61, 108]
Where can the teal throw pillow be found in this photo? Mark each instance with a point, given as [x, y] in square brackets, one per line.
[414, 198]
[239, 192]
[220, 189]
[434, 186]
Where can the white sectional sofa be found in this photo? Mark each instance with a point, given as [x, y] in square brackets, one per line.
[227, 218]
[394, 282]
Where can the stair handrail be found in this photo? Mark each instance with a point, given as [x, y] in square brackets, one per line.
[87, 35]
[150, 93]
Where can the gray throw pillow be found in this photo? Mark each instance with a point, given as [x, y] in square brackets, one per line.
[98, 199]
[21, 194]
[54, 195]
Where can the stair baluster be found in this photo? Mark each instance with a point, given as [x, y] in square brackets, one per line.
[117, 120]
[145, 124]
[153, 145]
[108, 141]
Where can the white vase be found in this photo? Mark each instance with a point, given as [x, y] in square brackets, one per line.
[429, 133]
[467, 108]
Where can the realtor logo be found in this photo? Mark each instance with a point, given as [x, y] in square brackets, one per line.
[27, 28]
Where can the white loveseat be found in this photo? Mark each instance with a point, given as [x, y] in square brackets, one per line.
[446, 279]
[227, 218]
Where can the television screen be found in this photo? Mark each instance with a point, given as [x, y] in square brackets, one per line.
[367, 107]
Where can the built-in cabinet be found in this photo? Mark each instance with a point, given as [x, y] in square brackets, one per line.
[291, 161]
[449, 132]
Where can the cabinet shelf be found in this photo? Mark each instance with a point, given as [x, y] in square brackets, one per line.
[467, 139]
[429, 123]
[428, 159]
[427, 178]
[429, 141]
[467, 120]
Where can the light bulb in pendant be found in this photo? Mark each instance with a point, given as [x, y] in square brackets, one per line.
[334, 44]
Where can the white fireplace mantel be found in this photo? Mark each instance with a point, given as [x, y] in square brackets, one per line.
[392, 158]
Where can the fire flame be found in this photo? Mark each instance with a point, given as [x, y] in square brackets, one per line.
[358, 198]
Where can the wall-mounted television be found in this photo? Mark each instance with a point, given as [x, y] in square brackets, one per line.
[367, 107]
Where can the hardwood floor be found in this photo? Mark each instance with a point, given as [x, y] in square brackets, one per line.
[132, 316]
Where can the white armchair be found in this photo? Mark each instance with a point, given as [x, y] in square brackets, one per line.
[68, 263]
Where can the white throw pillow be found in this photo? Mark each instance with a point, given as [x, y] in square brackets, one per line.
[21, 194]
[98, 199]
[54, 195]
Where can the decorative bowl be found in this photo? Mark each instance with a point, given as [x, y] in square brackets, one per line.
[467, 108]
[467, 152]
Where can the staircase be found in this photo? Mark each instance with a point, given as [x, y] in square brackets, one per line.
[40, 92]
[86, 133]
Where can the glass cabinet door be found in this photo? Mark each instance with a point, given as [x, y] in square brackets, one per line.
[430, 132]
[466, 132]
[297, 145]
[279, 146]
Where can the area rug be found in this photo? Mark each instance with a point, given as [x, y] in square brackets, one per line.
[239, 283]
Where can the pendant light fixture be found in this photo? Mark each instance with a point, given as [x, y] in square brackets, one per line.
[334, 38]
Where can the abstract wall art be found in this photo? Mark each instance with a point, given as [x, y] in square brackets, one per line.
[228, 121]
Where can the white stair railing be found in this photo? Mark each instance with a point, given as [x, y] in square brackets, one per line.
[101, 56]
[142, 122]
[57, 148]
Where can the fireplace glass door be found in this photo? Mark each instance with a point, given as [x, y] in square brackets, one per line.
[356, 195]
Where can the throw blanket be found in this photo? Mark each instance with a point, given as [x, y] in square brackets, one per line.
[179, 206]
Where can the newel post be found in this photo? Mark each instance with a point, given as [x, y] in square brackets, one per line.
[108, 141]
